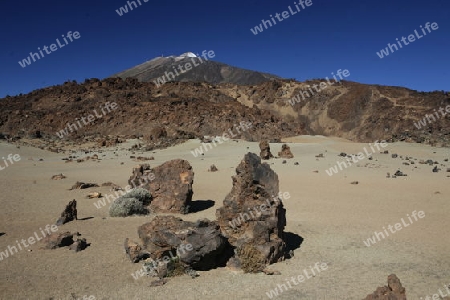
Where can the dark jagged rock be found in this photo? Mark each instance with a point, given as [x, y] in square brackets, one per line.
[69, 213]
[252, 217]
[79, 245]
[198, 245]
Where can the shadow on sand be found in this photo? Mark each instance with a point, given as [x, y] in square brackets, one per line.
[293, 241]
[200, 205]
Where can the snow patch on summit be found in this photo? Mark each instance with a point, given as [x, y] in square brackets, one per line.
[185, 55]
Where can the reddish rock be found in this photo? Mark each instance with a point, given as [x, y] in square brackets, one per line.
[141, 174]
[171, 188]
[393, 291]
[252, 217]
[285, 152]
[134, 251]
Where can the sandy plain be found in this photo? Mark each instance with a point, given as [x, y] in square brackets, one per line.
[332, 216]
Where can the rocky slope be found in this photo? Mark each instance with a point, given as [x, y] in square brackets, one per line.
[176, 111]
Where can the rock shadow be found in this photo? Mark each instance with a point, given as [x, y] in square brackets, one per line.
[200, 205]
[293, 241]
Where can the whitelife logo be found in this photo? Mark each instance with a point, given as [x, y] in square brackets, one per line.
[319, 87]
[411, 38]
[257, 210]
[285, 14]
[31, 240]
[225, 137]
[274, 293]
[355, 158]
[53, 47]
[11, 158]
[90, 119]
[423, 122]
[124, 9]
[397, 226]
[187, 67]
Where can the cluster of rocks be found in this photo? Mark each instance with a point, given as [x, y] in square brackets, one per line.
[164, 189]
[266, 154]
[65, 239]
[250, 244]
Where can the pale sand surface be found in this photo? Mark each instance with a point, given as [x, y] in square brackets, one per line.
[330, 214]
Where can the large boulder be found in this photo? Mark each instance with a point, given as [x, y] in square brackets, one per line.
[134, 202]
[252, 217]
[171, 187]
[393, 291]
[198, 245]
[265, 150]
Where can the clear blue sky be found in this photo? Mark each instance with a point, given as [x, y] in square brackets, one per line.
[328, 35]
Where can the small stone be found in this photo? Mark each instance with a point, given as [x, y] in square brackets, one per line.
[213, 168]
[58, 177]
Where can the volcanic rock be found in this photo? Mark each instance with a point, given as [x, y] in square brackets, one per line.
[58, 177]
[253, 219]
[285, 152]
[79, 245]
[134, 251]
[94, 195]
[199, 245]
[265, 150]
[69, 213]
[394, 290]
[213, 168]
[82, 185]
[57, 240]
[141, 175]
[171, 188]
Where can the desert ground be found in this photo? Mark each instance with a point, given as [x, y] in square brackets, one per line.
[332, 216]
